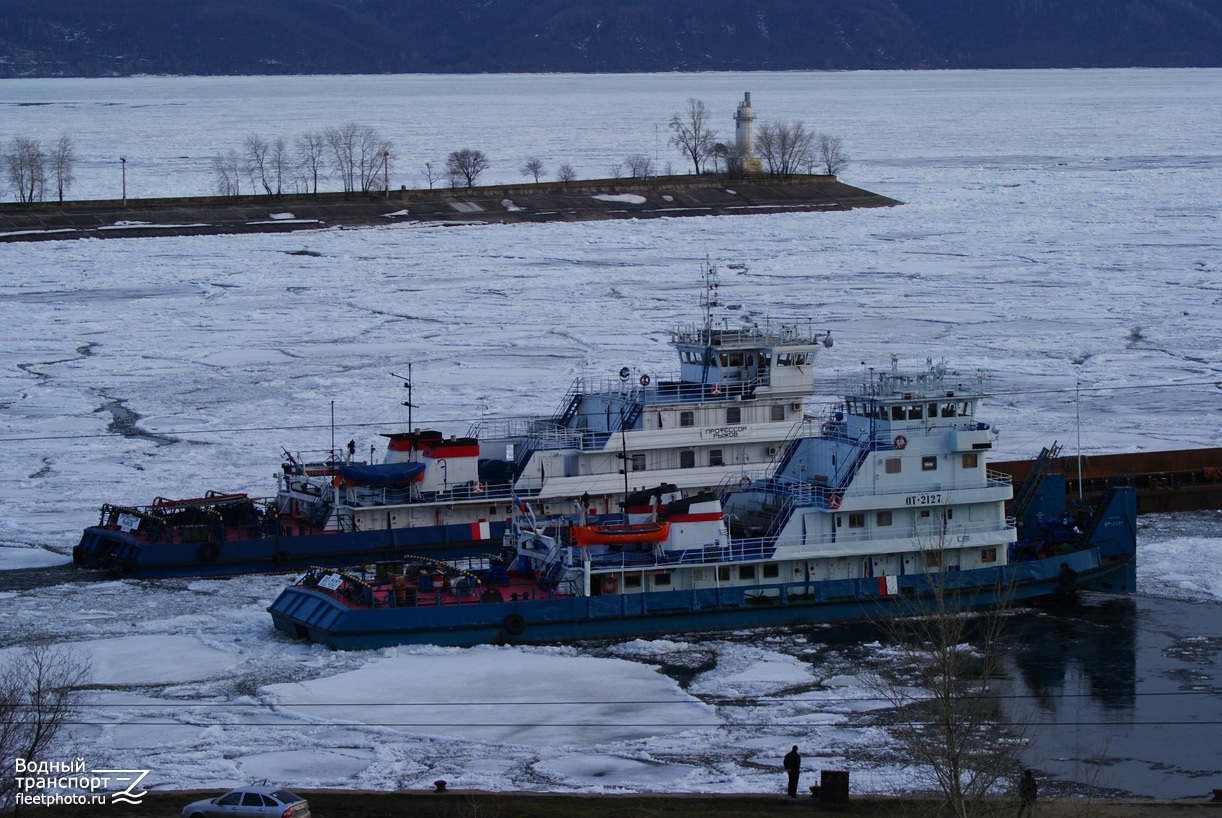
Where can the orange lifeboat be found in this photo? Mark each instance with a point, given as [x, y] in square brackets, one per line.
[618, 534]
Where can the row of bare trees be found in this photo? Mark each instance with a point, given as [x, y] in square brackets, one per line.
[784, 148]
[32, 171]
[358, 155]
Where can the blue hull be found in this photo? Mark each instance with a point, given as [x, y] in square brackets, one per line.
[307, 613]
[130, 556]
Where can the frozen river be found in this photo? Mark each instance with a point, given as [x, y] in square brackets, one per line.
[1060, 231]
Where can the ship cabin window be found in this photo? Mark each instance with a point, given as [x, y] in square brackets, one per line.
[883, 518]
[771, 570]
[687, 418]
[857, 520]
[716, 458]
[723, 573]
[965, 409]
[661, 580]
[724, 360]
[778, 411]
[988, 555]
[971, 460]
[932, 558]
[734, 414]
[736, 359]
[687, 459]
[948, 410]
[924, 514]
[897, 413]
[632, 580]
[932, 409]
[638, 462]
[914, 413]
[746, 572]
[929, 462]
[750, 362]
[892, 465]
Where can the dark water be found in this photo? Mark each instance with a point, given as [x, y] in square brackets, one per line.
[1124, 695]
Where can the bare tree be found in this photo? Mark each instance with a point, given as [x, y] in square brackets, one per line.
[565, 173]
[465, 166]
[432, 174]
[227, 171]
[616, 170]
[731, 158]
[310, 150]
[946, 714]
[63, 164]
[355, 155]
[26, 168]
[639, 166]
[691, 134]
[40, 690]
[279, 163]
[784, 147]
[533, 168]
[255, 149]
[830, 154]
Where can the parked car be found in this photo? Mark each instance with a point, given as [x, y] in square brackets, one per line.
[251, 802]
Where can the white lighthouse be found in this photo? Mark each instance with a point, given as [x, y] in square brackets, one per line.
[744, 133]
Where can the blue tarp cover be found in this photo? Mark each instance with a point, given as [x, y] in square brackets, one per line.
[381, 474]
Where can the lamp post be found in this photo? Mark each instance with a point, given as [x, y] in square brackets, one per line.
[123, 165]
[386, 173]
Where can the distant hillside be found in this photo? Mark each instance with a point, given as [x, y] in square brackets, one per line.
[122, 37]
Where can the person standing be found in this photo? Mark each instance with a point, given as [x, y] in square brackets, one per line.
[1027, 793]
[793, 766]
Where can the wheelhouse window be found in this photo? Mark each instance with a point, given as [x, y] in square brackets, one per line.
[734, 414]
[687, 418]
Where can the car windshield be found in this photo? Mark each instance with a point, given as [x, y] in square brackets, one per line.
[285, 797]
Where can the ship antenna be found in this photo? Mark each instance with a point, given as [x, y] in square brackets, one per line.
[407, 384]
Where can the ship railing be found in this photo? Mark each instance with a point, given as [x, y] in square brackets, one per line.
[799, 331]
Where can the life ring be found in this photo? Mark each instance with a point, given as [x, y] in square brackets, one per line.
[833, 501]
[900, 441]
[716, 390]
[477, 487]
[644, 380]
[745, 483]
[609, 585]
[514, 624]
[209, 551]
